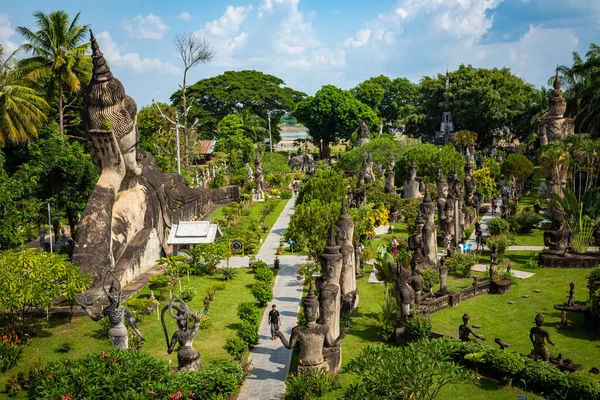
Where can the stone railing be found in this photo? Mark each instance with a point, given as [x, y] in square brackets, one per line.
[452, 299]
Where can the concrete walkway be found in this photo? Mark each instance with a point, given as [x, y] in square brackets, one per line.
[270, 360]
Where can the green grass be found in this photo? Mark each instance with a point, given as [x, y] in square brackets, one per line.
[86, 336]
[535, 238]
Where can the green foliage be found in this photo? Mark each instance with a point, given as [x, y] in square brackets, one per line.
[228, 273]
[275, 163]
[410, 210]
[497, 225]
[248, 332]
[229, 126]
[517, 165]
[594, 280]
[502, 242]
[461, 263]
[417, 371]
[257, 264]
[525, 221]
[541, 375]
[264, 274]
[139, 306]
[506, 362]
[10, 354]
[367, 218]
[31, 279]
[236, 347]
[306, 272]
[430, 275]
[239, 150]
[429, 158]
[384, 150]
[249, 312]
[263, 292]
[158, 282]
[326, 186]
[246, 90]
[333, 114]
[583, 385]
[309, 226]
[133, 375]
[286, 194]
[486, 185]
[386, 323]
[205, 257]
[188, 293]
[157, 135]
[418, 327]
[310, 384]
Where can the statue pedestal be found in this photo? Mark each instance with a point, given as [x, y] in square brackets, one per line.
[349, 303]
[569, 260]
[119, 337]
[333, 358]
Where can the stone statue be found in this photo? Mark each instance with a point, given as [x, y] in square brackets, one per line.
[349, 293]
[261, 186]
[415, 241]
[42, 239]
[357, 259]
[429, 232]
[442, 191]
[363, 135]
[368, 176]
[404, 294]
[250, 173]
[571, 300]
[303, 162]
[127, 233]
[411, 184]
[417, 264]
[470, 185]
[538, 337]
[493, 262]
[503, 345]
[464, 331]
[115, 312]
[312, 338]
[389, 179]
[188, 358]
[443, 271]
[557, 238]
[553, 126]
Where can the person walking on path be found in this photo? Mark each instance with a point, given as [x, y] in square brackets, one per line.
[394, 246]
[493, 206]
[274, 321]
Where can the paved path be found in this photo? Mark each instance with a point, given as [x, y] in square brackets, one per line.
[517, 274]
[270, 360]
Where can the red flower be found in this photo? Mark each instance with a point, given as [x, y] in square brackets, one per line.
[171, 372]
[152, 391]
[66, 398]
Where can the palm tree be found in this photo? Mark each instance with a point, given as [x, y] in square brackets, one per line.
[253, 125]
[589, 116]
[21, 109]
[57, 52]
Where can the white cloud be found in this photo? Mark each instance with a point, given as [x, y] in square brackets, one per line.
[401, 12]
[7, 31]
[362, 37]
[116, 56]
[185, 16]
[229, 23]
[148, 27]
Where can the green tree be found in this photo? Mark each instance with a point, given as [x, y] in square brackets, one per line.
[214, 98]
[394, 101]
[327, 186]
[21, 108]
[517, 165]
[275, 163]
[57, 52]
[239, 149]
[384, 150]
[254, 126]
[31, 278]
[157, 135]
[429, 158]
[230, 125]
[333, 114]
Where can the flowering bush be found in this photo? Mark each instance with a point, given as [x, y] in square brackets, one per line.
[311, 384]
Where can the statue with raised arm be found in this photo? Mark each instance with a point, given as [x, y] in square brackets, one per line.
[465, 332]
[115, 312]
[188, 358]
[539, 336]
[312, 337]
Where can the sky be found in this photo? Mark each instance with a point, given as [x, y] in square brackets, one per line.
[311, 43]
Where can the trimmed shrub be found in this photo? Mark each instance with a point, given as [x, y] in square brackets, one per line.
[525, 221]
[430, 276]
[539, 374]
[312, 384]
[418, 327]
[583, 385]
[248, 332]
[263, 292]
[594, 280]
[496, 226]
[254, 265]
[461, 263]
[188, 294]
[139, 307]
[264, 274]
[502, 241]
[248, 312]
[508, 363]
[236, 347]
[286, 194]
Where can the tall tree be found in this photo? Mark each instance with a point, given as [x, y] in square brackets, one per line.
[157, 134]
[21, 108]
[333, 114]
[57, 52]
[214, 98]
[193, 50]
[588, 117]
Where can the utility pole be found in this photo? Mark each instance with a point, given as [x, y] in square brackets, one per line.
[50, 223]
[176, 123]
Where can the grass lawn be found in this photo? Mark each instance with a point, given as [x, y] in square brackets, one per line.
[86, 336]
[535, 238]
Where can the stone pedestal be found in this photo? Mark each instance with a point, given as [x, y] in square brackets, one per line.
[119, 337]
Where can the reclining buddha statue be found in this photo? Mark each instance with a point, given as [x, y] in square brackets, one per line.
[129, 214]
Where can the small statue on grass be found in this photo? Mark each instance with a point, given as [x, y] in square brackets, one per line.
[571, 301]
[188, 358]
[464, 331]
[312, 337]
[115, 312]
[538, 337]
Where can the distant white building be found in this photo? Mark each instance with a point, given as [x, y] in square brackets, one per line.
[187, 234]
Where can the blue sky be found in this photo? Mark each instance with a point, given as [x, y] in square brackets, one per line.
[310, 43]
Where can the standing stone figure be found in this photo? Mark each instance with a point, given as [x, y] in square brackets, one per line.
[312, 338]
[368, 175]
[443, 271]
[357, 260]
[349, 293]
[470, 185]
[538, 337]
[464, 331]
[363, 135]
[417, 265]
[330, 296]
[553, 125]
[442, 191]
[571, 301]
[404, 294]
[188, 358]
[115, 312]
[429, 231]
[411, 185]
[250, 173]
[493, 262]
[261, 186]
[558, 238]
[389, 179]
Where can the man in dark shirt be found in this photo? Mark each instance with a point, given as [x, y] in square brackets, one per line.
[274, 320]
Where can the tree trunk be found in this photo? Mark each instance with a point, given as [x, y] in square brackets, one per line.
[186, 133]
[60, 110]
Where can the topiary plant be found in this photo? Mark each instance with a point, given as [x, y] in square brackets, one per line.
[236, 347]
[263, 292]
[248, 332]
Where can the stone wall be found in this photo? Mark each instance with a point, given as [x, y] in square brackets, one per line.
[452, 299]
